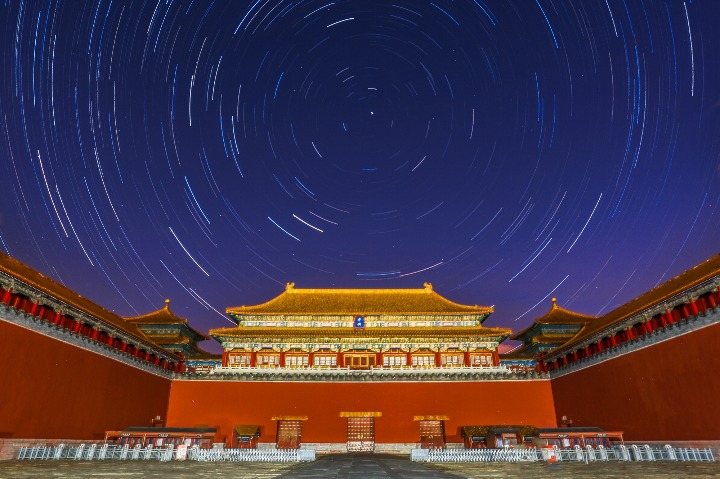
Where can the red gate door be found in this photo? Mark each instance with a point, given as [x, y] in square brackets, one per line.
[288, 435]
[360, 434]
[432, 434]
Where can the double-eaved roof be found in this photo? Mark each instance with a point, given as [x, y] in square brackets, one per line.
[347, 302]
[391, 313]
[172, 332]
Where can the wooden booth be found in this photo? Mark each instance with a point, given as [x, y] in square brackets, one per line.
[475, 437]
[246, 436]
[568, 437]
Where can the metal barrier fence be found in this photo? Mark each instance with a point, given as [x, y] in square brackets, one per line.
[577, 454]
[251, 455]
[92, 452]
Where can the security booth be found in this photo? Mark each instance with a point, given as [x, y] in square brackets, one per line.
[245, 436]
[569, 437]
[289, 431]
[474, 437]
[432, 431]
[163, 436]
[499, 436]
[502, 436]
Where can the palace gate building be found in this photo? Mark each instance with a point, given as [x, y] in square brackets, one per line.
[358, 369]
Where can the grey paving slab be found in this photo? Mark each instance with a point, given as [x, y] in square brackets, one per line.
[366, 466]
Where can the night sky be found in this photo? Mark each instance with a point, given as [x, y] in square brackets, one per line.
[506, 151]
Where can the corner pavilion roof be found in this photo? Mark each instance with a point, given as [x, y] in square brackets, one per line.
[556, 316]
[359, 301]
[164, 316]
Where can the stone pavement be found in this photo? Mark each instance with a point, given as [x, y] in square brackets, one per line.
[365, 466]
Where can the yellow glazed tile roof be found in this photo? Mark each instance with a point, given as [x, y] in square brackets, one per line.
[294, 301]
[329, 332]
[556, 316]
[163, 316]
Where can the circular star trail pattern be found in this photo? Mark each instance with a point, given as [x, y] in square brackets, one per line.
[506, 151]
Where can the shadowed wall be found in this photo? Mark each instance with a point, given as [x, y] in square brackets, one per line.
[51, 389]
[668, 391]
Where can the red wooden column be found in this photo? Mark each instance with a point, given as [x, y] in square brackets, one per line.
[496, 357]
[648, 326]
[599, 345]
[630, 333]
[693, 307]
[34, 309]
[587, 351]
[669, 317]
[224, 360]
[78, 325]
[95, 333]
[711, 301]
[7, 296]
[613, 340]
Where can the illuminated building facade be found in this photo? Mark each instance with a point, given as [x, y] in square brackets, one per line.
[359, 329]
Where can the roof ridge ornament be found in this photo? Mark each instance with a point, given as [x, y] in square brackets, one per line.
[428, 287]
[554, 303]
[167, 305]
[289, 286]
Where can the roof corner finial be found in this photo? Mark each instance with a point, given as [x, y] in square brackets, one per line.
[289, 286]
[167, 304]
[554, 303]
[428, 286]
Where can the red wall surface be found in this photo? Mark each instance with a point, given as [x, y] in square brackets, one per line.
[668, 391]
[50, 389]
[225, 404]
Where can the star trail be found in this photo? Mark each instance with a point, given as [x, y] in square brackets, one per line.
[503, 150]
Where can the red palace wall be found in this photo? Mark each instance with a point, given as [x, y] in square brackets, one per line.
[668, 391]
[225, 404]
[51, 389]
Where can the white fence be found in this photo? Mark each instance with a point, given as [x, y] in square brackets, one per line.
[577, 454]
[251, 455]
[91, 452]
